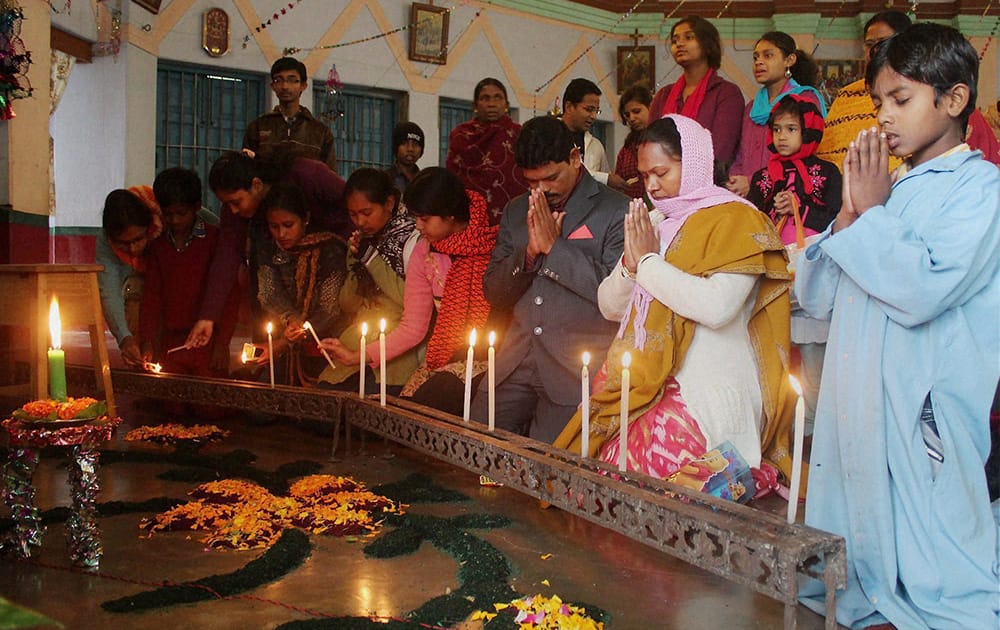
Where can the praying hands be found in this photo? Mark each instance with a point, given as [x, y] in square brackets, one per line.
[640, 237]
[544, 225]
[866, 177]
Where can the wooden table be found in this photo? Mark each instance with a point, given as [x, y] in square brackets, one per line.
[25, 294]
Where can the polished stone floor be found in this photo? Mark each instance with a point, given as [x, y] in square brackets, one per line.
[637, 586]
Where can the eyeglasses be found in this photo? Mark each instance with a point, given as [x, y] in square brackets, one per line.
[285, 80]
[593, 110]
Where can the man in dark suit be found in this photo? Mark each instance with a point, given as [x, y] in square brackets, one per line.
[556, 244]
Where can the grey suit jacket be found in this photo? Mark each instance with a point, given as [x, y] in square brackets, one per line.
[555, 313]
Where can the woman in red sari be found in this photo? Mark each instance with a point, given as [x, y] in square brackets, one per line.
[481, 151]
[700, 93]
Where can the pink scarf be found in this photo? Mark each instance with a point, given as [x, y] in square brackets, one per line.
[697, 191]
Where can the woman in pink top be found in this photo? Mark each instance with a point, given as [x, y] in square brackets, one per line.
[445, 272]
[700, 93]
[780, 68]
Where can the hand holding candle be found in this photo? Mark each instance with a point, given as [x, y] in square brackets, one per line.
[56, 356]
[270, 352]
[307, 326]
[623, 412]
[381, 361]
[468, 376]
[585, 406]
[363, 360]
[491, 381]
[797, 436]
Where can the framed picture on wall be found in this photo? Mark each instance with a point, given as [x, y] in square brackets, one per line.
[153, 6]
[636, 65]
[429, 33]
[836, 73]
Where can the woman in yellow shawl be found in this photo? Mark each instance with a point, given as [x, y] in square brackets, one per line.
[703, 298]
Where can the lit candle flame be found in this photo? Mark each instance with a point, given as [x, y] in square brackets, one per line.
[493, 338]
[55, 324]
[306, 325]
[586, 359]
[270, 328]
[626, 360]
[381, 325]
[364, 329]
[795, 385]
[155, 368]
[472, 337]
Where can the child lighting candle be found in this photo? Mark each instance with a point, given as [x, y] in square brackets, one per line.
[623, 420]
[491, 376]
[381, 362]
[585, 405]
[797, 436]
[363, 360]
[270, 352]
[56, 355]
[307, 326]
[468, 376]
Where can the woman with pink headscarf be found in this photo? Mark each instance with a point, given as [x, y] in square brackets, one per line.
[702, 295]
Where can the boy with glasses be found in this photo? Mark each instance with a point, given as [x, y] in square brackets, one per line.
[290, 126]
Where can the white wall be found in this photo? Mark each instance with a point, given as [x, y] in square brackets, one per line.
[523, 51]
[90, 140]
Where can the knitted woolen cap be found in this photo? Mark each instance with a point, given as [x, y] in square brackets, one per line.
[407, 131]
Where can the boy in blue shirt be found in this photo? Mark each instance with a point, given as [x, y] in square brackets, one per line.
[908, 276]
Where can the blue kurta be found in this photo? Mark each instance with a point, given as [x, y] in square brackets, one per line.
[913, 294]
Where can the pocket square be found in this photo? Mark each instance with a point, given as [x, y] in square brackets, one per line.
[581, 232]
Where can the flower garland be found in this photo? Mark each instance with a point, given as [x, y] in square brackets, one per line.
[242, 515]
[171, 433]
[538, 611]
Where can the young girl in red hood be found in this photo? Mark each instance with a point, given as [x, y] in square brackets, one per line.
[794, 176]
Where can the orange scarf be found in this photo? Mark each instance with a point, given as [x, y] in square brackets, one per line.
[463, 304]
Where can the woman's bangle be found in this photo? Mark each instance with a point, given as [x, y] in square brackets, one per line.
[643, 259]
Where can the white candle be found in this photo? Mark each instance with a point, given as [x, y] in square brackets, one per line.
[468, 376]
[363, 360]
[307, 326]
[585, 405]
[623, 420]
[270, 351]
[381, 361]
[797, 436]
[491, 376]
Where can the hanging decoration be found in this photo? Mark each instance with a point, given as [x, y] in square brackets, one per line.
[597, 41]
[333, 109]
[993, 31]
[67, 7]
[291, 50]
[112, 45]
[14, 59]
[836, 14]
[271, 20]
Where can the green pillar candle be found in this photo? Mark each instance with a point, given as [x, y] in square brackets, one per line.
[57, 374]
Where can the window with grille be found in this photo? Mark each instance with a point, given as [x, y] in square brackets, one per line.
[451, 113]
[361, 120]
[201, 112]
